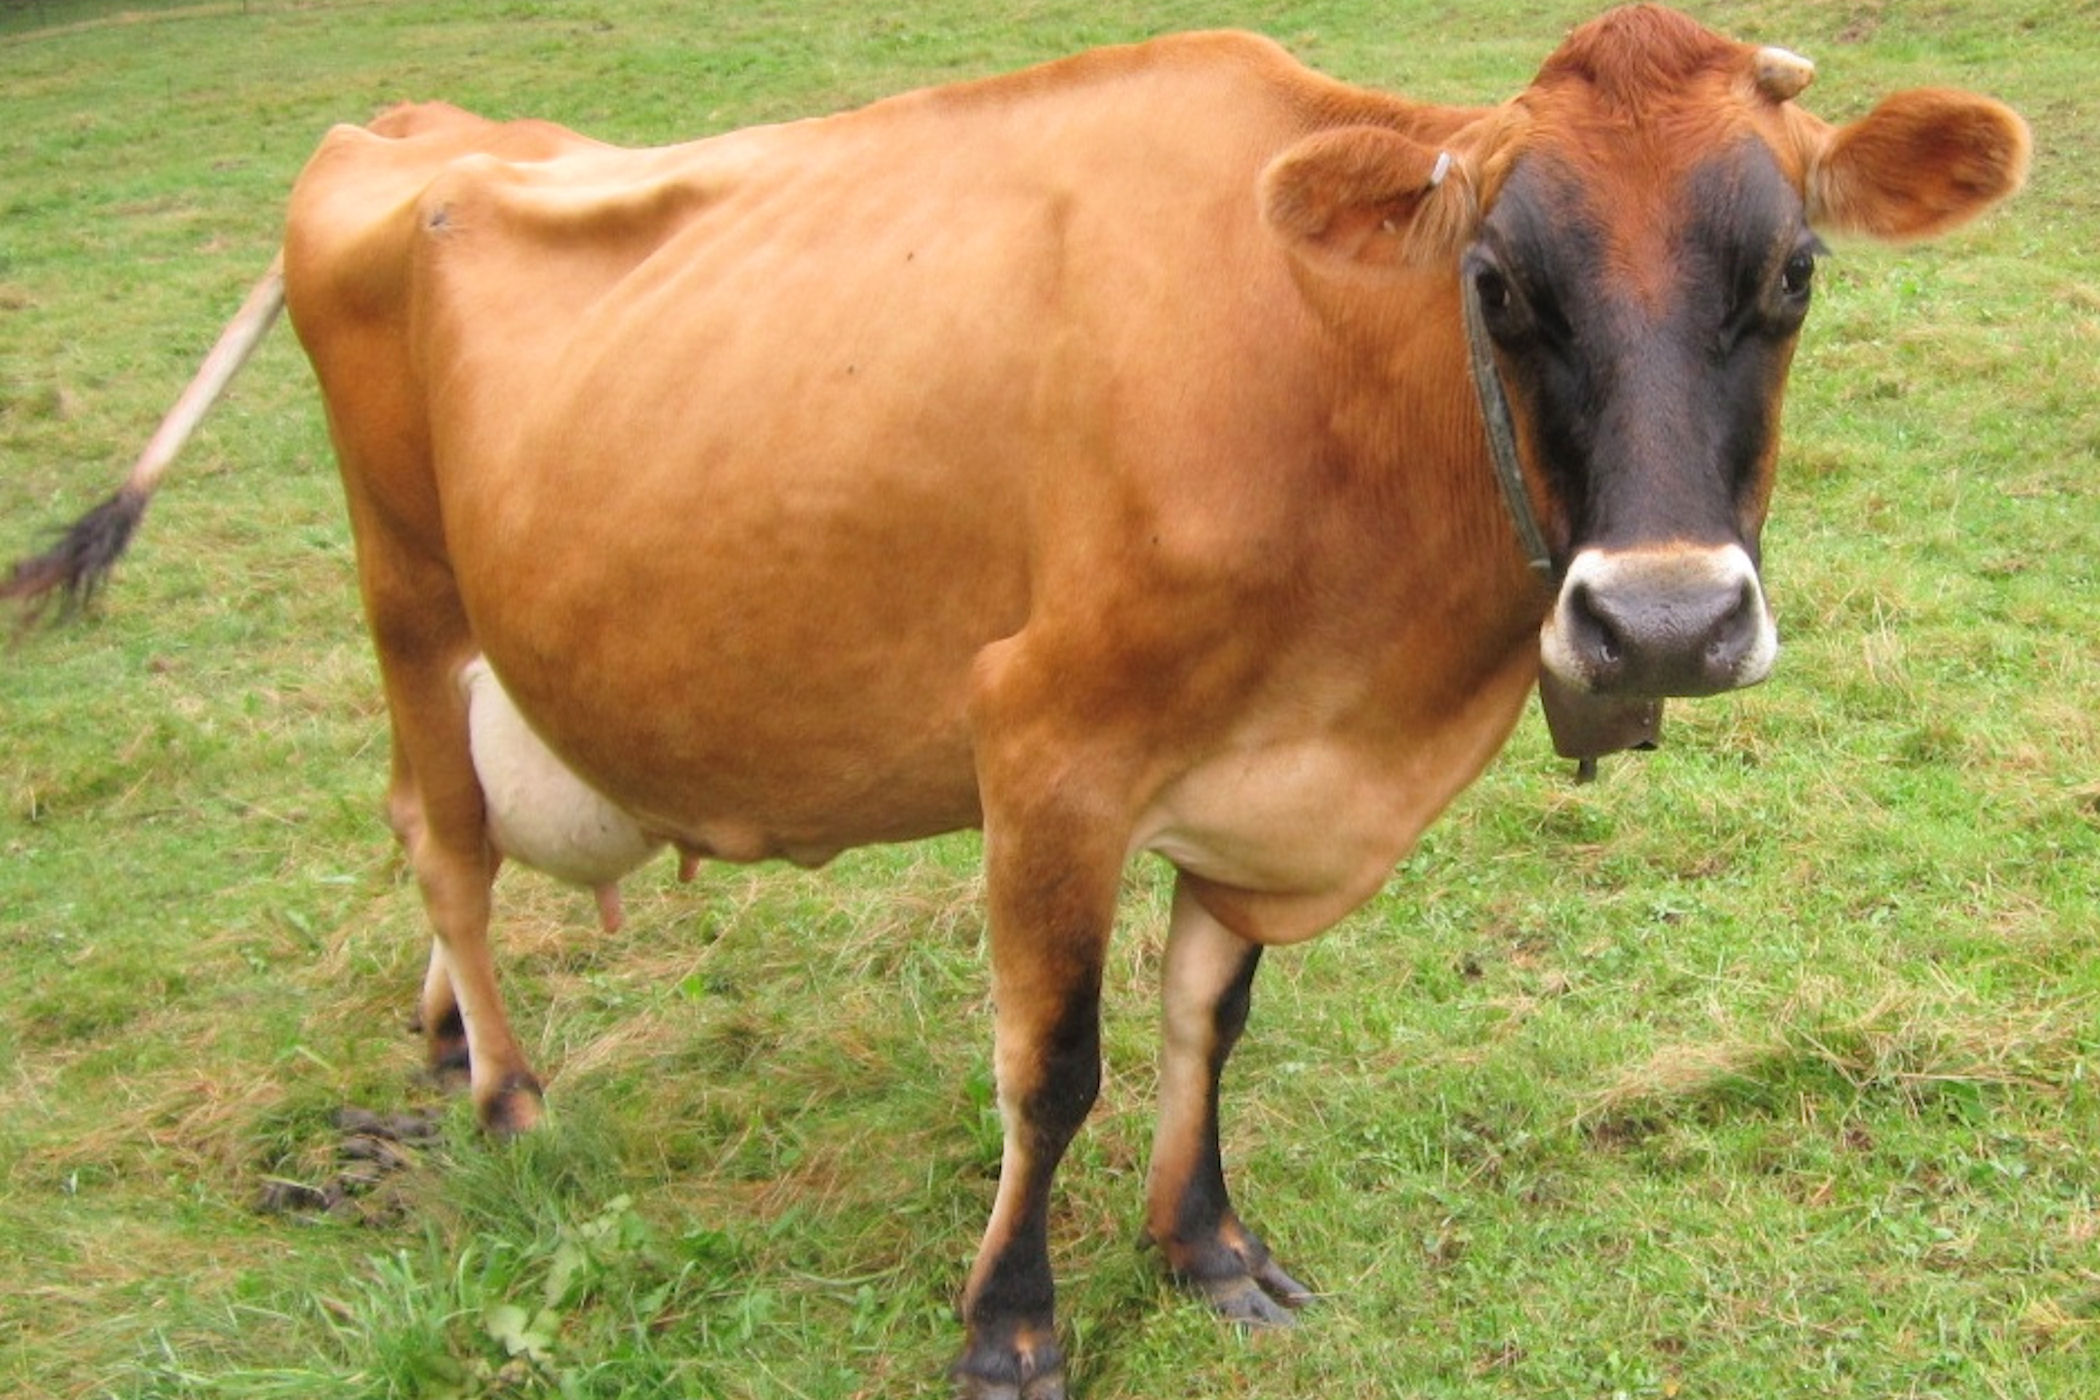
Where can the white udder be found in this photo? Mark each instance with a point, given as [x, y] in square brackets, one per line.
[539, 812]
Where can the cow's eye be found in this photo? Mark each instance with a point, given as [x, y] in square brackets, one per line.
[1511, 310]
[1799, 274]
[1493, 288]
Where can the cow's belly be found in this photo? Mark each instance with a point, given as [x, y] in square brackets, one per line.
[735, 545]
[773, 683]
[801, 756]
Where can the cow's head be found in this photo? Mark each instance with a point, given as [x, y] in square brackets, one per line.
[1639, 229]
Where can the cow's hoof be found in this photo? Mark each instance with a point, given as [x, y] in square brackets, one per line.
[1047, 1386]
[1264, 1296]
[449, 1067]
[1232, 1270]
[444, 1049]
[513, 1109]
[990, 1371]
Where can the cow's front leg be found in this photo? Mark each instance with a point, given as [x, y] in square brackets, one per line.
[1206, 986]
[1049, 929]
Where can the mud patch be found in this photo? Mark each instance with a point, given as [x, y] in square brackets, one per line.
[364, 1183]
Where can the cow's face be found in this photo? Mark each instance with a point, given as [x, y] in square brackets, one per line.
[1639, 230]
[1643, 267]
[1643, 332]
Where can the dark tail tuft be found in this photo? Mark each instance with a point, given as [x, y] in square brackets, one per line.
[75, 568]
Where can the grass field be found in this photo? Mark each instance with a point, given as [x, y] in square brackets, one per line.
[1763, 1067]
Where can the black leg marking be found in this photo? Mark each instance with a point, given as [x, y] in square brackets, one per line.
[1012, 1351]
[1209, 990]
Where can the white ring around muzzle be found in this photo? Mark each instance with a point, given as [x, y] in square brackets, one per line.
[1670, 620]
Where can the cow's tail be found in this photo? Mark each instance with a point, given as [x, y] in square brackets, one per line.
[70, 572]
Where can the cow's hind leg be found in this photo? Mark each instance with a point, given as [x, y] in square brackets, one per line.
[1207, 982]
[444, 1029]
[437, 1017]
[456, 881]
[455, 866]
[436, 807]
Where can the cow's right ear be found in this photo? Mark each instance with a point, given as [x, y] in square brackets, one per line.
[1369, 196]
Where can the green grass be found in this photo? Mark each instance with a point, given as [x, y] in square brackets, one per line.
[1764, 1067]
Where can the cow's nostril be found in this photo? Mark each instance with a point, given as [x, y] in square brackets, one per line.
[1732, 633]
[1597, 634]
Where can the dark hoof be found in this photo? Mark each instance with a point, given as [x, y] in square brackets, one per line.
[513, 1109]
[1010, 1372]
[450, 1072]
[1262, 1297]
[1048, 1386]
[446, 1051]
[1045, 1387]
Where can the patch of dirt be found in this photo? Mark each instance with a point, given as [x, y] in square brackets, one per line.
[372, 1155]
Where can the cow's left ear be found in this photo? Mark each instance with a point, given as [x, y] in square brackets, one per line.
[1921, 163]
[1370, 196]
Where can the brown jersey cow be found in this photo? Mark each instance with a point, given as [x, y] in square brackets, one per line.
[1168, 449]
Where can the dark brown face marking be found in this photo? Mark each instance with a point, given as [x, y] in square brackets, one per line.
[1646, 338]
[1644, 302]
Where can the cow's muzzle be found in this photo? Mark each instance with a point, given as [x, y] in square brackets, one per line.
[1677, 620]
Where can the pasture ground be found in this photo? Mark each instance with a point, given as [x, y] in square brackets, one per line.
[1763, 1067]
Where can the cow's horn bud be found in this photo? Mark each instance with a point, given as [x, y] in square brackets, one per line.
[1782, 74]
